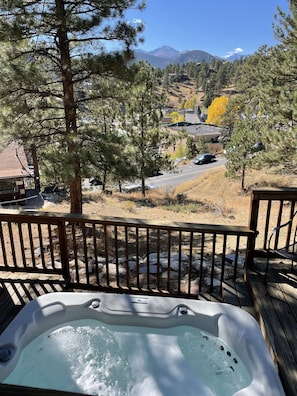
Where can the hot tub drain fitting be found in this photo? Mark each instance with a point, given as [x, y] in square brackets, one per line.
[95, 304]
[183, 310]
[5, 354]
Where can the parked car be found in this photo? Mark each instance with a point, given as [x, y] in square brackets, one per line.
[204, 159]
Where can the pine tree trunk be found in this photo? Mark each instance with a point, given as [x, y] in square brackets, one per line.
[36, 167]
[143, 186]
[243, 178]
[69, 111]
[76, 196]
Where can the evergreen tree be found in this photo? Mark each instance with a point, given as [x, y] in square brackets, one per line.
[223, 76]
[201, 145]
[166, 80]
[202, 75]
[279, 98]
[53, 49]
[242, 151]
[231, 115]
[268, 82]
[105, 146]
[143, 107]
[192, 149]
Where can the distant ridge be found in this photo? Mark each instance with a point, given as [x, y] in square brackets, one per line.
[165, 55]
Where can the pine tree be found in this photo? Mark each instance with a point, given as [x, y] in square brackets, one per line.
[242, 151]
[279, 98]
[192, 149]
[53, 49]
[268, 83]
[105, 146]
[143, 107]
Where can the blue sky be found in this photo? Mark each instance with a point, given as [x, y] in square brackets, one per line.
[220, 27]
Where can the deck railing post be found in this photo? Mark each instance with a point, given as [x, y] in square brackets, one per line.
[64, 250]
[271, 205]
[253, 224]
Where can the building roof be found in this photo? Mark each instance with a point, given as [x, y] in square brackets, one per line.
[198, 129]
[13, 162]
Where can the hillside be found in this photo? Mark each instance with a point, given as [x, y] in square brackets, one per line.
[182, 91]
[211, 198]
[185, 90]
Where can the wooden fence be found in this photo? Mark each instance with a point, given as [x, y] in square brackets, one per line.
[125, 255]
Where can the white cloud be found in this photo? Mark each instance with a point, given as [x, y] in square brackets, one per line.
[137, 21]
[234, 52]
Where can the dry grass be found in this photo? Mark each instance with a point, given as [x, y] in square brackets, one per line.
[180, 91]
[188, 89]
[211, 198]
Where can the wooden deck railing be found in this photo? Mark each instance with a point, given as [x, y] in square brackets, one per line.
[125, 255]
[270, 207]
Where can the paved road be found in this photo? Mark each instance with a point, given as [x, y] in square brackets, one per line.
[183, 173]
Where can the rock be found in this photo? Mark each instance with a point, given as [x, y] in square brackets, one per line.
[231, 259]
[207, 281]
[153, 269]
[113, 269]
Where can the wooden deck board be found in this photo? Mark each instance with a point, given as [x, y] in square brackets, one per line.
[276, 307]
[16, 290]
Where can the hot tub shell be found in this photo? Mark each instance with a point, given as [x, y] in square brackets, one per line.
[233, 325]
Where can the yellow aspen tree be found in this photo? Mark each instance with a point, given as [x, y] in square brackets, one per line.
[177, 117]
[216, 110]
[191, 103]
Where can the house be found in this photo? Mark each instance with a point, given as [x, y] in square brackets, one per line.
[198, 130]
[14, 170]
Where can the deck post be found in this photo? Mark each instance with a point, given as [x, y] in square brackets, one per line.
[253, 223]
[64, 250]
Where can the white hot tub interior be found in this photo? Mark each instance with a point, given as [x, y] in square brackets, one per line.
[111, 344]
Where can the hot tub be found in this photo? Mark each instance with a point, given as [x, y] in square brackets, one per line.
[111, 344]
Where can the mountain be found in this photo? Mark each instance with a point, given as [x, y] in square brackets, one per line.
[155, 61]
[164, 56]
[195, 56]
[165, 52]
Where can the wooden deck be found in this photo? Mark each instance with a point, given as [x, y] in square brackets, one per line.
[17, 290]
[274, 306]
